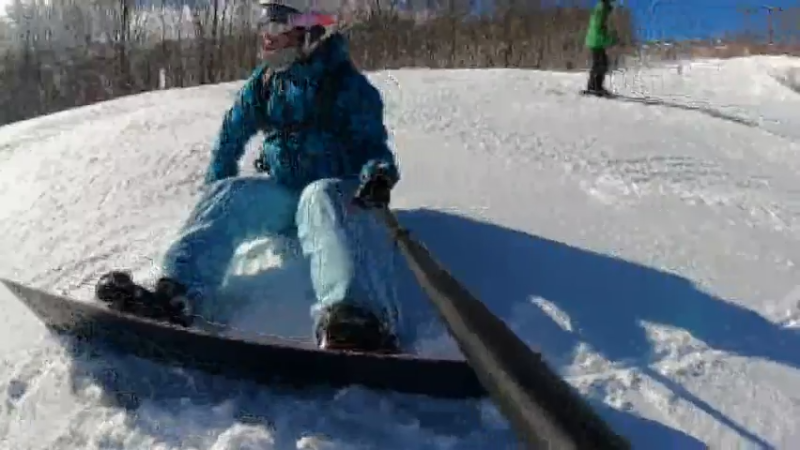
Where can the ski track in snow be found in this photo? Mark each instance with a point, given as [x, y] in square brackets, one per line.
[647, 250]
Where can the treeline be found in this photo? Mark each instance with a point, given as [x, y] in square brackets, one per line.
[101, 51]
[59, 54]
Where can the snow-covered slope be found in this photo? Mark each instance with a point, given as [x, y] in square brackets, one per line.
[647, 247]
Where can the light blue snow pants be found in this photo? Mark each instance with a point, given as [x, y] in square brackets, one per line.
[350, 253]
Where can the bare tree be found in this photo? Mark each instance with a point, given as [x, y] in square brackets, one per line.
[65, 53]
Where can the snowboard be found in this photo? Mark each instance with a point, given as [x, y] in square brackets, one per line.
[268, 360]
[586, 92]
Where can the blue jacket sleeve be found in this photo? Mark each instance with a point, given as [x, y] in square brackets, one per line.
[241, 122]
[368, 133]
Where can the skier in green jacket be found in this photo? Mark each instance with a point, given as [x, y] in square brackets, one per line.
[598, 38]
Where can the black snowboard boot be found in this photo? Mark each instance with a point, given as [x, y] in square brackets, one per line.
[172, 295]
[167, 303]
[345, 326]
[120, 292]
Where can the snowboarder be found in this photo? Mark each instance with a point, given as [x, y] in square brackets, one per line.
[325, 162]
[598, 39]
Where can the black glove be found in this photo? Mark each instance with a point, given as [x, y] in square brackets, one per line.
[375, 191]
[261, 165]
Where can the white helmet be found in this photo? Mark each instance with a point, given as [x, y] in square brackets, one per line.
[281, 16]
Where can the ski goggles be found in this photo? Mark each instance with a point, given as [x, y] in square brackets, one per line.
[278, 19]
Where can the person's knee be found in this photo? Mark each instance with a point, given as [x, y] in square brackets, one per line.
[247, 192]
[216, 188]
[324, 189]
[327, 193]
[227, 186]
[216, 198]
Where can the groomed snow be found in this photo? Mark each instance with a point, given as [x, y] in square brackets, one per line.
[648, 248]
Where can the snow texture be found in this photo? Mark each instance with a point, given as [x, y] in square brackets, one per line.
[647, 246]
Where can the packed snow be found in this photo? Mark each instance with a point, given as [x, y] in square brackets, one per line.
[647, 246]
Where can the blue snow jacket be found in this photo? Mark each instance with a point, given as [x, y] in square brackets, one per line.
[307, 137]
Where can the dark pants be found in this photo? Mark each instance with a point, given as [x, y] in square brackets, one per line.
[599, 69]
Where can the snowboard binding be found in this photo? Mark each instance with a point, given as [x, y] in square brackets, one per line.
[349, 327]
[167, 303]
[601, 92]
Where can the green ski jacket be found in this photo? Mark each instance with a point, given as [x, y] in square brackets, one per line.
[597, 35]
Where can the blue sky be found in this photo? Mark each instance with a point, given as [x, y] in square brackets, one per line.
[705, 18]
[681, 19]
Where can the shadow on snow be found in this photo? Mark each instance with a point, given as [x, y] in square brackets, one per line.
[605, 298]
